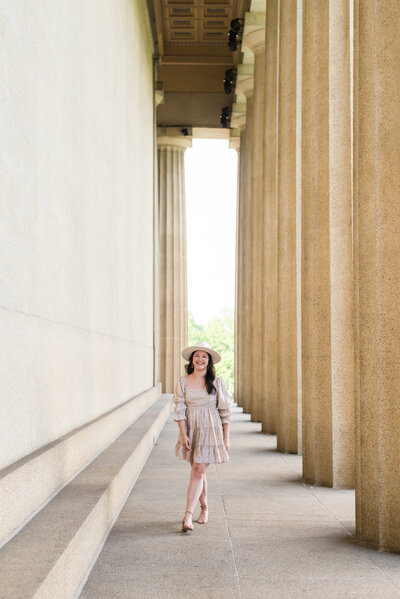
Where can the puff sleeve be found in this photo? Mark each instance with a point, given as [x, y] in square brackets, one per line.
[179, 402]
[223, 401]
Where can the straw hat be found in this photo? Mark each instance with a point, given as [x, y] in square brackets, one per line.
[187, 352]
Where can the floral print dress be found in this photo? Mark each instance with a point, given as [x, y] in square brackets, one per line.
[204, 415]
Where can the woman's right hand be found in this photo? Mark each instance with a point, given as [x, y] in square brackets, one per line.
[186, 442]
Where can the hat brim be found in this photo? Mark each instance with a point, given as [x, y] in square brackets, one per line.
[187, 352]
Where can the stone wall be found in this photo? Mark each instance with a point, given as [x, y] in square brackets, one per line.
[76, 160]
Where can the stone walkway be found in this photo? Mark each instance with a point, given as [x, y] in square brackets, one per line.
[269, 535]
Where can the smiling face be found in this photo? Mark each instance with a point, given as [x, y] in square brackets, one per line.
[200, 361]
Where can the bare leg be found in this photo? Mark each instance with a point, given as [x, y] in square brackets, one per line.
[203, 518]
[195, 489]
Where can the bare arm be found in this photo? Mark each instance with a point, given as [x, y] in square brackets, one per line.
[225, 426]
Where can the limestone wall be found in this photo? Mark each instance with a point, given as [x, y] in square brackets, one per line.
[76, 225]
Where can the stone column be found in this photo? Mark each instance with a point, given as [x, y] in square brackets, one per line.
[173, 314]
[377, 251]
[254, 42]
[238, 121]
[341, 239]
[270, 291]
[244, 92]
[288, 197]
[327, 294]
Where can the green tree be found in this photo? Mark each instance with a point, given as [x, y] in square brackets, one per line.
[195, 331]
[219, 334]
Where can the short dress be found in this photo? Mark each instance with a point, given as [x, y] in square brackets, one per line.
[205, 415]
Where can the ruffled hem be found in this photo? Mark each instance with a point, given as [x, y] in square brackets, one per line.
[207, 446]
[215, 454]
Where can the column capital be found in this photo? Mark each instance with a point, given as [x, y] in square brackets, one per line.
[244, 82]
[238, 118]
[173, 137]
[253, 40]
[159, 94]
[210, 133]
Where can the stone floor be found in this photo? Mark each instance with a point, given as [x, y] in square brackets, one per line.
[269, 535]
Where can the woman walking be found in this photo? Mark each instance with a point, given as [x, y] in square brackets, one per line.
[202, 411]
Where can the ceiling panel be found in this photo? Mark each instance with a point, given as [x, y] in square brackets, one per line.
[202, 20]
[192, 40]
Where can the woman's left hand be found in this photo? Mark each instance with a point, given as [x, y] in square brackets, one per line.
[226, 443]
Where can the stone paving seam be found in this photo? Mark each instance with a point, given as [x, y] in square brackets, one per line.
[310, 488]
[289, 465]
[229, 532]
[381, 570]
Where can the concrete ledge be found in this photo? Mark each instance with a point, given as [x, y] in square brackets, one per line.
[27, 485]
[53, 553]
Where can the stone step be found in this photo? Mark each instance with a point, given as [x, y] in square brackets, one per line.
[45, 471]
[52, 555]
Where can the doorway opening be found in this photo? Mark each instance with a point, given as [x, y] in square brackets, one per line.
[211, 198]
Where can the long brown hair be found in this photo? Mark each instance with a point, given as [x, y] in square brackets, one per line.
[210, 374]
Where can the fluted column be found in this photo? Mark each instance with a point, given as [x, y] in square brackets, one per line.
[270, 283]
[288, 198]
[238, 121]
[327, 294]
[244, 90]
[254, 42]
[173, 315]
[341, 239]
[377, 252]
[239, 308]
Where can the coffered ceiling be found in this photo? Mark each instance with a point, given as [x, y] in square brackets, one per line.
[194, 55]
[198, 26]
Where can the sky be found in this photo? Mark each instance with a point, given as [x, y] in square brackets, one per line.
[210, 183]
